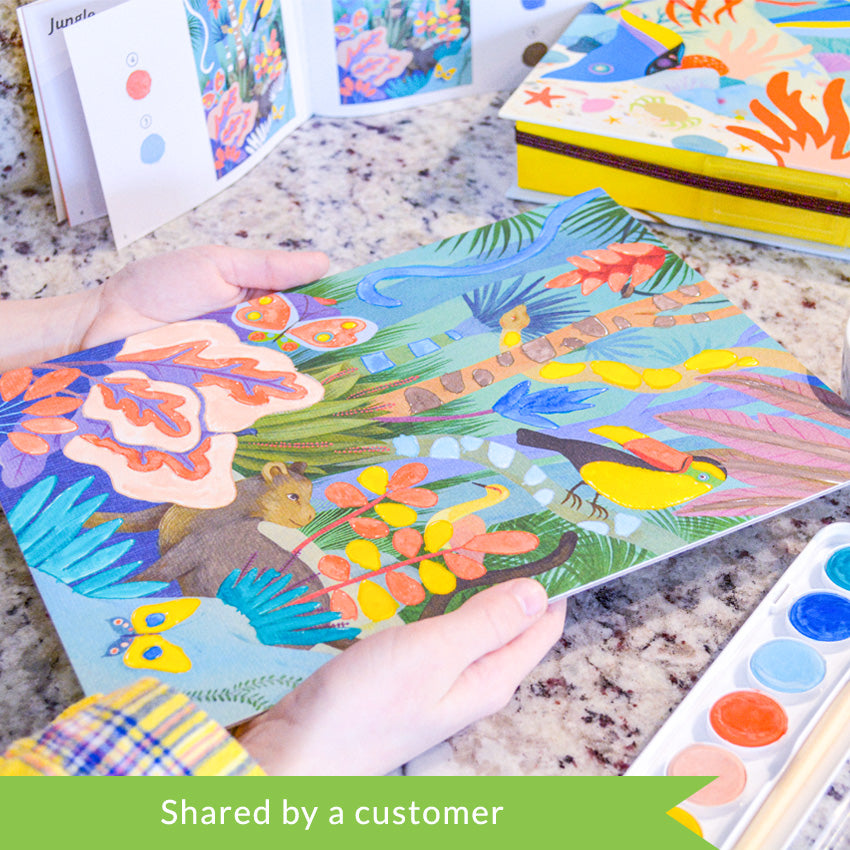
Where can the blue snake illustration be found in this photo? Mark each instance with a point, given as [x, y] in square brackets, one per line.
[367, 289]
[205, 69]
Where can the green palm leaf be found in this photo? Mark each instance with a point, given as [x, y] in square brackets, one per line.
[595, 557]
[496, 238]
[693, 528]
[604, 220]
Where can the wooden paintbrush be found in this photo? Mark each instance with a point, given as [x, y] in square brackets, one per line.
[808, 773]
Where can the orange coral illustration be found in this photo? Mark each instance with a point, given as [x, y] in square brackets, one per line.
[697, 11]
[750, 58]
[800, 139]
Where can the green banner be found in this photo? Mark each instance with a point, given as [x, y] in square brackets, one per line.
[409, 812]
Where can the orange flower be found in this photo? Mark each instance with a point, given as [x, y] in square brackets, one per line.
[623, 266]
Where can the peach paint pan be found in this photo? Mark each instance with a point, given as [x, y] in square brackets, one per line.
[762, 719]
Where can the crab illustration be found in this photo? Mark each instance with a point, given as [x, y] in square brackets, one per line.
[668, 114]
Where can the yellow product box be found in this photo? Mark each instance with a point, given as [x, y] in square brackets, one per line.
[687, 113]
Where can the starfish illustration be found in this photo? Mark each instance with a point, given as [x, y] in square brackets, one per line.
[545, 97]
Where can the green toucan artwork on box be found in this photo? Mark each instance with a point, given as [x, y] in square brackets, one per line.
[230, 501]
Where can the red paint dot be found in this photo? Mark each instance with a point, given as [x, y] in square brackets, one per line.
[748, 719]
[139, 84]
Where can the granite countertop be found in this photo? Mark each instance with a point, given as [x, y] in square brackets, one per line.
[363, 189]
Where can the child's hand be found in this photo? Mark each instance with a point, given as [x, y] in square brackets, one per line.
[144, 295]
[394, 695]
[188, 283]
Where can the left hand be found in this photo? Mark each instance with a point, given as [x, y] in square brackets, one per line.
[144, 295]
[188, 283]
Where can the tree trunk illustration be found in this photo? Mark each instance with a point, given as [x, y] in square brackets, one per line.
[236, 30]
[433, 392]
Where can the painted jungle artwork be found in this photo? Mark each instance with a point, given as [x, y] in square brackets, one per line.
[394, 48]
[755, 81]
[230, 501]
[240, 56]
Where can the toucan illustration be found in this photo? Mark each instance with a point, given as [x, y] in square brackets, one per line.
[639, 48]
[649, 476]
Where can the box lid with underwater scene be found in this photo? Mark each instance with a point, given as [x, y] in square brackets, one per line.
[726, 111]
[229, 501]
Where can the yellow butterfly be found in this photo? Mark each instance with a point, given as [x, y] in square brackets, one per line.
[144, 648]
[278, 111]
[444, 73]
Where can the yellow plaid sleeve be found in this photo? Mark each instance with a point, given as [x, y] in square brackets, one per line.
[145, 729]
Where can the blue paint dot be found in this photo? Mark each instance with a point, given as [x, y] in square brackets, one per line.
[821, 616]
[154, 620]
[152, 653]
[788, 666]
[699, 144]
[153, 147]
[838, 568]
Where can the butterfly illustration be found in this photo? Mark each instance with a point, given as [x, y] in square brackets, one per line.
[278, 112]
[345, 30]
[297, 320]
[143, 646]
[444, 73]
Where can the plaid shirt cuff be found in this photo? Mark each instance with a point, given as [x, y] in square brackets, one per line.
[146, 729]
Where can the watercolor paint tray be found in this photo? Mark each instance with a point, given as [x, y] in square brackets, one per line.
[750, 712]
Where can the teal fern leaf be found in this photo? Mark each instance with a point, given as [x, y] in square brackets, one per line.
[52, 539]
[272, 609]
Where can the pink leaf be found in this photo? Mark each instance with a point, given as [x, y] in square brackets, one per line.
[805, 399]
[741, 502]
[404, 589]
[372, 529]
[334, 567]
[414, 497]
[345, 495]
[408, 475]
[344, 605]
[777, 438]
[14, 382]
[463, 566]
[466, 528]
[510, 542]
[407, 542]
[51, 383]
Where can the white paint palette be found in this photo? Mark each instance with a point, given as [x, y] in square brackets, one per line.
[752, 710]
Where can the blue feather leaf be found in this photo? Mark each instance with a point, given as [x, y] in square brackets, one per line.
[559, 400]
[30, 504]
[51, 525]
[70, 536]
[97, 561]
[271, 607]
[104, 578]
[130, 590]
[81, 546]
[529, 419]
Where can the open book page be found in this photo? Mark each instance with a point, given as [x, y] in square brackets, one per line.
[230, 500]
[70, 159]
[181, 99]
[371, 57]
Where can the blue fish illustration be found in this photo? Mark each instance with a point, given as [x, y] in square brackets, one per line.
[639, 48]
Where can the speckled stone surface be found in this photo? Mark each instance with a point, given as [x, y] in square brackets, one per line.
[362, 189]
[22, 161]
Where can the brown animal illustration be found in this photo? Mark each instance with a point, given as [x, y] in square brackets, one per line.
[200, 547]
